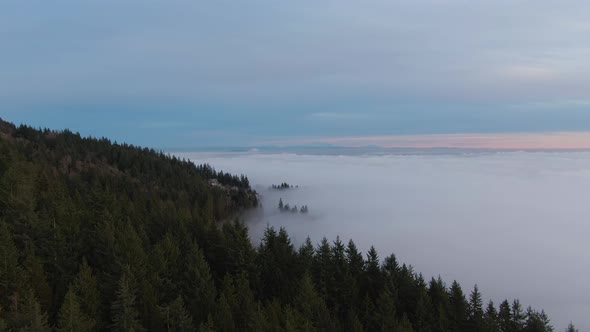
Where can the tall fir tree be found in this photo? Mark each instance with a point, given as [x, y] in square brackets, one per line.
[71, 318]
[26, 314]
[490, 318]
[224, 320]
[125, 316]
[311, 305]
[505, 317]
[475, 316]
[198, 285]
[518, 316]
[86, 289]
[176, 317]
[458, 308]
[10, 270]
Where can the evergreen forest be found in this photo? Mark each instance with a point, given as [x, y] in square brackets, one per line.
[97, 235]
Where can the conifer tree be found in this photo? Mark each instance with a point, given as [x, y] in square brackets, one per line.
[518, 316]
[311, 306]
[458, 307]
[405, 325]
[386, 313]
[26, 314]
[475, 317]
[294, 322]
[176, 317]
[71, 318]
[373, 280]
[440, 304]
[306, 253]
[490, 319]
[198, 285]
[86, 290]
[258, 319]
[36, 279]
[505, 317]
[536, 321]
[368, 314]
[356, 266]
[208, 326]
[125, 316]
[424, 316]
[353, 322]
[323, 268]
[340, 290]
[223, 316]
[277, 263]
[274, 316]
[245, 305]
[10, 271]
[3, 325]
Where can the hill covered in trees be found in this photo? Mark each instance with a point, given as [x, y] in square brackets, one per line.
[98, 236]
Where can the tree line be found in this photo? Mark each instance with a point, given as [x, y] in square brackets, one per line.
[293, 209]
[98, 236]
[282, 186]
[208, 172]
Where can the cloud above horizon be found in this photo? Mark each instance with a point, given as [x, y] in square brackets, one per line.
[524, 141]
[264, 70]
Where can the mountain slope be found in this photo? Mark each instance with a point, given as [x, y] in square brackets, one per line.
[102, 236]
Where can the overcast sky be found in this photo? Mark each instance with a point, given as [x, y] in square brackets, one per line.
[196, 73]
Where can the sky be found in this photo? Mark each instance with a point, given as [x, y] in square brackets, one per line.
[182, 74]
[514, 223]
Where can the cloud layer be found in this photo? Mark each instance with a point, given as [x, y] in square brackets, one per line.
[514, 223]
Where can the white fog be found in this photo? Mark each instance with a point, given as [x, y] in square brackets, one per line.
[516, 224]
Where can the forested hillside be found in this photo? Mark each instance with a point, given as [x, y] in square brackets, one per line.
[98, 236]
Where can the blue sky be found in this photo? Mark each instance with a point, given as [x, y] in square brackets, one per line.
[192, 74]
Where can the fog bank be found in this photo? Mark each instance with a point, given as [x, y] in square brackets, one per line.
[514, 223]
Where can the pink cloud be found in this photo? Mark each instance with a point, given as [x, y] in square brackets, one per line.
[546, 140]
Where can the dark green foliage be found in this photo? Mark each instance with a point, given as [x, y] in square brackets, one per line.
[125, 316]
[176, 318]
[293, 209]
[86, 290]
[98, 236]
[223, 315]
[475, 316]
[518, 316]
[311, 306]
[281, 186]
[199, 288]
[36, 279]
[537, 321]
[3, 325]
[71, 318]
[458, 308]
[26, 313]
[277, 264]
[505, 317]
[490, 319]
[10, 271]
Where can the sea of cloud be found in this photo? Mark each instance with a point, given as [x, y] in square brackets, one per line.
[516, 224]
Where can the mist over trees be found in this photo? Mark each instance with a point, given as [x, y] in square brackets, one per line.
[282, 186]
[293, 209]
[99, 236]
